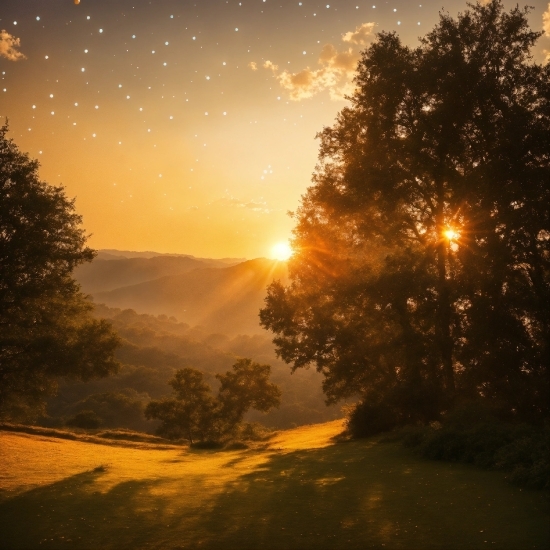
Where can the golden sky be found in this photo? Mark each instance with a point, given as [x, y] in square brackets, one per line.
[189, 126]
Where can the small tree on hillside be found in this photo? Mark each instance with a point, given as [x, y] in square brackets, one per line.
[196, 415]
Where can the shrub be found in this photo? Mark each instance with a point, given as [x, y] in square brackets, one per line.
[87, 420]
[366, 419]
[472, 436]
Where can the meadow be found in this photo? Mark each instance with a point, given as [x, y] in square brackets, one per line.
[304, 488]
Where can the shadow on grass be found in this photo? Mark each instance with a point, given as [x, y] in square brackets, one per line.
[74, 513]
[361, 495]
[352, 495]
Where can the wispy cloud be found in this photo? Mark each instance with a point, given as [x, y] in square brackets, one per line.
[256, 205]
[335, 72]
[9, 47]
[546, 21]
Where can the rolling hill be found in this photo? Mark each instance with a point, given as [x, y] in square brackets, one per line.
[222, 299]
[108, 272]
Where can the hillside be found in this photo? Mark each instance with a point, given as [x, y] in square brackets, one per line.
[225, 300]
[108, 272]
[300, 490]
[154, 347]
[115, 254]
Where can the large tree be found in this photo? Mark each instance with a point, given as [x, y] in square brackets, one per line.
[422, 264]
[46, 327]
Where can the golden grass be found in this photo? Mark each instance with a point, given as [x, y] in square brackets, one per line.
[301, 491]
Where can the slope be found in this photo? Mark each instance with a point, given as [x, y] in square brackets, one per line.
[225, 300]
[301, 491]
[107, 274]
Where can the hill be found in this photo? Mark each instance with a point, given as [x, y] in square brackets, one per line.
[299, 490]
[225, 300]
[108, 272]
[114, 254]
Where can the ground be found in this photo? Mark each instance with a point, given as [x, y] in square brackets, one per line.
[303, 489]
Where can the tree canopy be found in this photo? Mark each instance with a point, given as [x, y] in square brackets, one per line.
[46, 330]
[422, 265]
[195, 414]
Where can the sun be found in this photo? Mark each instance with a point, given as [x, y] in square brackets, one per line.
[281, 251]
[451, 234]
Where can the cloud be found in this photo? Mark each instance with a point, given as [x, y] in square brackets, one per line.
[253, 66]
[335, 73]
[256, 205]
[9, 45]
[361, 35]
[546, 21]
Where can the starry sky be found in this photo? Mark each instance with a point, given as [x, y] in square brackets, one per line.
[188, 126]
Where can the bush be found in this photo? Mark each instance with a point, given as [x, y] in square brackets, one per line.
[470, 436]
[366, 419]
[88, 420]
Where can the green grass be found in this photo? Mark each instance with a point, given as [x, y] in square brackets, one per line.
[303, 491]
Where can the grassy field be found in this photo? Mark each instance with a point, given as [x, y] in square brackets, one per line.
[302, 490]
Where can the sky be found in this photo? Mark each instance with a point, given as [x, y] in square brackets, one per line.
[188, 126]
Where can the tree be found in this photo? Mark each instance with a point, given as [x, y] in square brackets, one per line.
[191, 414]
[422, 271]
[196, 415]
[46, 327]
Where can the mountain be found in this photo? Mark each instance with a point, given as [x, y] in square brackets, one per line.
[225, 300]
[110, 271]
[113, 254]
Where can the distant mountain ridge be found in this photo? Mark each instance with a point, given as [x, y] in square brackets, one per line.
[107, 274]
[114, 254]
[223, 298]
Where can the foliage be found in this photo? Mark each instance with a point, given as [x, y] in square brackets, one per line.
[154, 347]
[87, 420]
[422, 268]
[46, 330]
[117, 408]
[473, 435]
[196, 415]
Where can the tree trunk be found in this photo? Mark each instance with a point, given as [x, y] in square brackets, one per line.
[443, 318]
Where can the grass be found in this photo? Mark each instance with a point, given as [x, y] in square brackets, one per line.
[302, 490]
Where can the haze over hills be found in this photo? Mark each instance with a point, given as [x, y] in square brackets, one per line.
[113, 254]
[103, 274]
[225, 300]
[220, 296]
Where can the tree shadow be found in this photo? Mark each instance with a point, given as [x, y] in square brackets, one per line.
[360, 495]
[74, 513]
[353, 495]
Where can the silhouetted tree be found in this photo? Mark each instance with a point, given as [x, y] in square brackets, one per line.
[46, 330]
[191, 414]
[196, 415]
[246, 387]
[422, 269]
